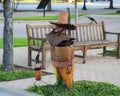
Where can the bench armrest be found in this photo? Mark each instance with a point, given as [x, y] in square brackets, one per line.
[42, 40]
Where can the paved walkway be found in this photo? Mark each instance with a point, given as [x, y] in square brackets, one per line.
[97, 68]
[11, 91]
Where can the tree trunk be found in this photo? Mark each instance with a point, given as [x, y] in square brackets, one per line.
[111, 4]
[8, 36]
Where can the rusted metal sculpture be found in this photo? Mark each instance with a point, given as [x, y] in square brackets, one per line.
[62, 51]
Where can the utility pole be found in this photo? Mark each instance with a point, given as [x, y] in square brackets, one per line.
[76, 11]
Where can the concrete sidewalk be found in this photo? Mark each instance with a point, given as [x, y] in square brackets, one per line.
[97, 68]
[11, 91]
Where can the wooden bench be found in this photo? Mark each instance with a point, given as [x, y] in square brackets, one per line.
[37, 41]
[89, 35]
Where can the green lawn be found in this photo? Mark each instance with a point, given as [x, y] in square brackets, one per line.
[112, 53]
[53, 17]
[116, 13]
[80, 88]
[17, 42]
[20, 42]
[18, 73]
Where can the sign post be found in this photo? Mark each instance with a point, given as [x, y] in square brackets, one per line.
[42, 5]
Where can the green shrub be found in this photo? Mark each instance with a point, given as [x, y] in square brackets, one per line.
[118, 11]
[13, 75]
[112, 53]
[17, 74]
[80, 88]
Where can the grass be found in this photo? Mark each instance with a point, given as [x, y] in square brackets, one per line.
[112, 53]
[115, 13]
[19, 73]
[20, 42]
[17, 42]
[53, 17]
[80, 88]
[37, 18]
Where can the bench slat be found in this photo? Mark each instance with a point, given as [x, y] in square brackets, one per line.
[87, 43]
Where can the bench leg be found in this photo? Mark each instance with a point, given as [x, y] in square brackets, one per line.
[84, 61]
[118, 48]
[29, 57]
[84, 54]
[43, 58]
[104, 51]
[117, 53]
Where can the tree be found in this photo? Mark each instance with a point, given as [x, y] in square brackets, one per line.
[8, 35]
[111, 4]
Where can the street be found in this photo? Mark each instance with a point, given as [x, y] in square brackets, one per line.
[63, 6]
[19, 29]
